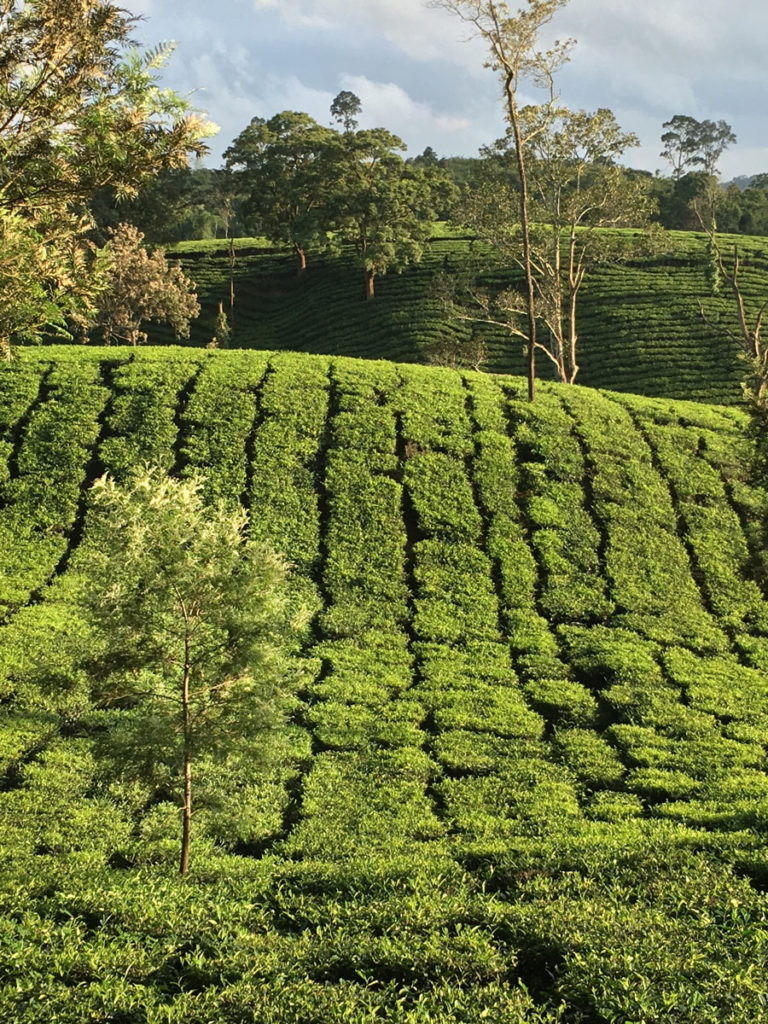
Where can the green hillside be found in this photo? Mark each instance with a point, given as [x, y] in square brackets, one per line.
[524, 776]
[640, 325]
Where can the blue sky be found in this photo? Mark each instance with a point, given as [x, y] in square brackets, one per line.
[418, 75]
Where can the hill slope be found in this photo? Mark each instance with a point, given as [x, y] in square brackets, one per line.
[640, 324]
[524, 779]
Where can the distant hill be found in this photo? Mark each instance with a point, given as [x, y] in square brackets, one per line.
[743, 181]
[640, 325]
[524, 775]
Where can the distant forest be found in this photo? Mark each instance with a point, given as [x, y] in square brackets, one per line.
[202, 202]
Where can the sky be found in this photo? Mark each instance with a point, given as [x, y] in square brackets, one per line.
[418, 73]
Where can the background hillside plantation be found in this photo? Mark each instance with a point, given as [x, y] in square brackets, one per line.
[640, 324]
[524, 775]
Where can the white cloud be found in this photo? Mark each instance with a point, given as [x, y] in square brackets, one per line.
[411, 25]
[142, 8]
[387, 104]
[237, 95]
[418, 76]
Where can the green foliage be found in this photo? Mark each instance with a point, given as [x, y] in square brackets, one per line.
[140, 286]
[191, 615]
[80, 110]
[38, 293]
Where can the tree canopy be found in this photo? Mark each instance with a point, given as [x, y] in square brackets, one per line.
[193, 622]
[690, 144]
[140, 286]
[380, 204]
[80, 108]
[282, 165]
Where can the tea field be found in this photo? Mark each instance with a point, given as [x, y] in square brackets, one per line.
[640, 324]
[523, 775]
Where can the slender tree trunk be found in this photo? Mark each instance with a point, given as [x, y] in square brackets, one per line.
[301, 258]
[187, 822]
[573, 366]
[526, 232]
[231, 284]
[187, 726]
[573, 294]
[370, 289]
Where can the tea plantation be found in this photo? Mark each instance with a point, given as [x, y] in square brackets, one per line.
[523, 778]
[640, 324]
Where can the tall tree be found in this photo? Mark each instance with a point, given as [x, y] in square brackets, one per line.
[681, 143]
[576, 190]
[690, 144]
[80, 109]
[193, 623]
[345, 108]
[381, 205]
[282, 166]
[513, 42]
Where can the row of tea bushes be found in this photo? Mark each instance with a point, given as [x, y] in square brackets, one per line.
[497, 479]
[285, 459]
[218, 423]
[366, 794]
[42, 492]
[713, 528]
[564, 536]
[646, 561]
[142, 427]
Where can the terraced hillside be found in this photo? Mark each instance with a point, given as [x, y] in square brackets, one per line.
[524, 776]
[640, 325]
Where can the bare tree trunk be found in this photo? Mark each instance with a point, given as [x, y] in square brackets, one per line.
[526, 232]
[370, 291]
[573, 294]
[187, 726]
[231, 283]
[573, 366]
[301, 258]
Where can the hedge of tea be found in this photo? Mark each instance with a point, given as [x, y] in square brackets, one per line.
[522, 775]
[640, 325]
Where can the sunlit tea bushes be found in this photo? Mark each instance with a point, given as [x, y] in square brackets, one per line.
[522, 772]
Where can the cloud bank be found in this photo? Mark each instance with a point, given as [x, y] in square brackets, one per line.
[417, 74]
